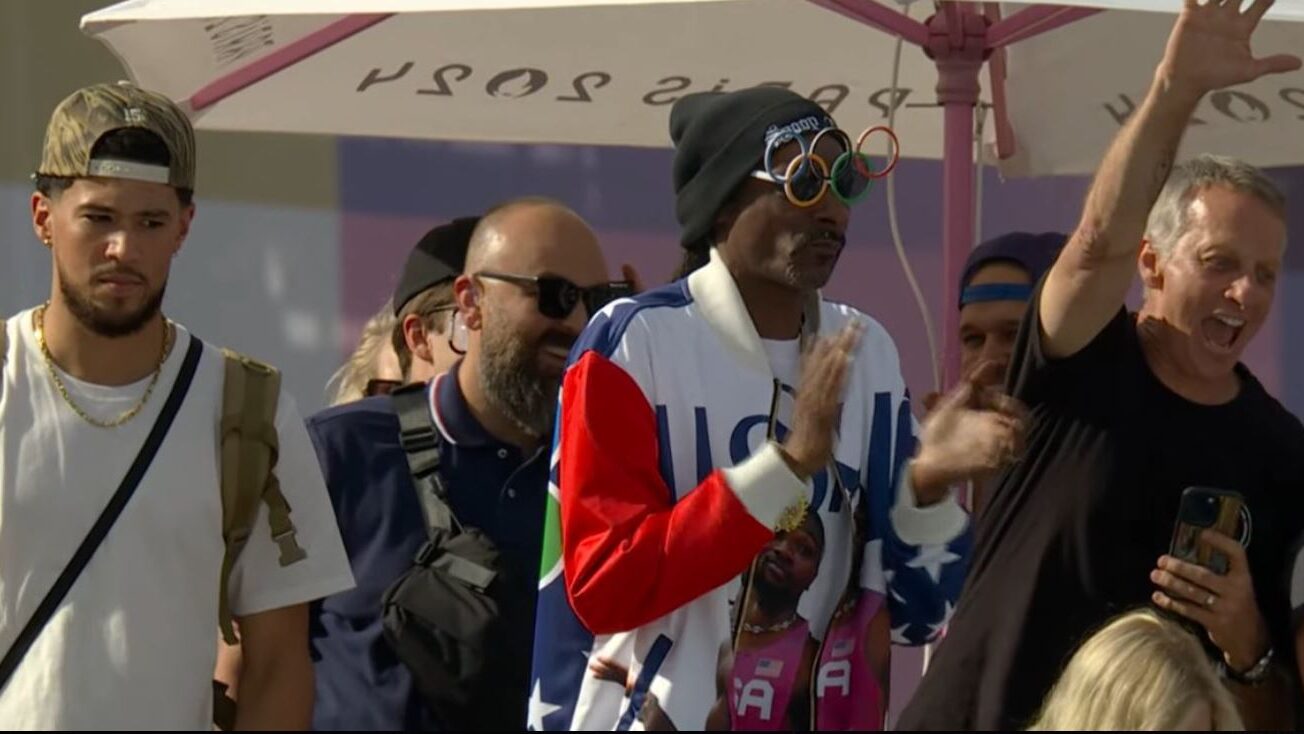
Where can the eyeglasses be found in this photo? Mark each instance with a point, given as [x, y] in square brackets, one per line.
[429, 315]
[808, 177]
[557, 296]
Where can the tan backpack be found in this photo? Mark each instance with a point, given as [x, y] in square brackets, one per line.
[249, 449]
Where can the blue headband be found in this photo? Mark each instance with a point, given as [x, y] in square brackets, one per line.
[996, 292]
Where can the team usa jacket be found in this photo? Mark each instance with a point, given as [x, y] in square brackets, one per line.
[690, 580]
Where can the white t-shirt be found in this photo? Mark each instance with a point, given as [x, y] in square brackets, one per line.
[785, 359]
[134, 643]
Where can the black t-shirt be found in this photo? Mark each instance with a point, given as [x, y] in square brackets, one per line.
[1070, 534]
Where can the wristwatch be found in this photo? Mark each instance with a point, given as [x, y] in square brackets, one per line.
[1252, 677]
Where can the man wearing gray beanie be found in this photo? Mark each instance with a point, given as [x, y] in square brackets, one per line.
[703, 422]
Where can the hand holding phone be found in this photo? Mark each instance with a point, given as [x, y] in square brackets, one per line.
[1206, 508]
[1206, 576]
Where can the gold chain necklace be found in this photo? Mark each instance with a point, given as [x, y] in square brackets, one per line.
[759, 629]
[63, 390]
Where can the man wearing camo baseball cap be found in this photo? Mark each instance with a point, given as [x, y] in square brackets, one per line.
[111, 417]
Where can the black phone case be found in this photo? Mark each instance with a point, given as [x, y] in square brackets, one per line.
[1205, 508]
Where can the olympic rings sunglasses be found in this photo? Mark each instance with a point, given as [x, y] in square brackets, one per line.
[557, 296]
[808, 177]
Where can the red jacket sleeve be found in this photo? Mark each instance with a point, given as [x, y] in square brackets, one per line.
[631, 553]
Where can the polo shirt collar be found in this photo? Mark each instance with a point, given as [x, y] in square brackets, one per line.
[453, 416]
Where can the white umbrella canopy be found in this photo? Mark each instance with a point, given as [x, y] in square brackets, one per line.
[1069, 90]
[605, 71]
[598, 72]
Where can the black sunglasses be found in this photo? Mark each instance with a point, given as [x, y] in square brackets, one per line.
[557, 297]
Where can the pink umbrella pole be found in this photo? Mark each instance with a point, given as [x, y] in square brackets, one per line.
[959, 38]
[956, 39]
[957, 42]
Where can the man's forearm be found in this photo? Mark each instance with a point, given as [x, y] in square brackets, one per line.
[1269, 706]
[1134, 170]
[229, 664]
[277, 694]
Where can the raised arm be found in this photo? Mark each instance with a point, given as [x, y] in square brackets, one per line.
[1209, 49]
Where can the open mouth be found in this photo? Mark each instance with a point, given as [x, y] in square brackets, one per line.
[1222, 332]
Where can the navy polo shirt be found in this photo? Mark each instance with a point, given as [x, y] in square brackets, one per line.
[361, 684]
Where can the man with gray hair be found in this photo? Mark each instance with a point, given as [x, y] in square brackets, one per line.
[1135, 414]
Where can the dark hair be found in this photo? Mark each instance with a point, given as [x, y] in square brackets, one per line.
[126, 144]
[426, 305]
[698, 254]
[694, 258]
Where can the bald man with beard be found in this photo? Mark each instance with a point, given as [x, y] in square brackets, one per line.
[534, 273]
[522, 268]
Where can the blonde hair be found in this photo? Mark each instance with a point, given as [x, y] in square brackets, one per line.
[349, 382]
[1140, 672]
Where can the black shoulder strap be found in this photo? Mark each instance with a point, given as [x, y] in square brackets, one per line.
[101, 528]
[421, 443]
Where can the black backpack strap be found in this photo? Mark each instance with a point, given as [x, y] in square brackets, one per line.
[421, 443]
[50, 604]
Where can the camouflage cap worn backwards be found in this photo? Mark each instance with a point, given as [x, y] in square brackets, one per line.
[86, 115]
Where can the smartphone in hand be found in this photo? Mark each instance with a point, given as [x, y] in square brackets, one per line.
[1206, 508]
